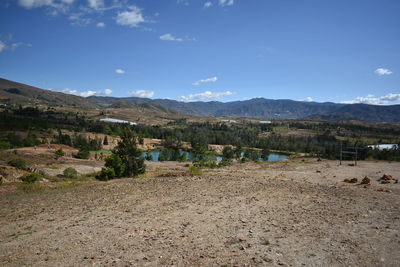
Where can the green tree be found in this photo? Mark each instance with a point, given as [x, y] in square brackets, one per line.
[105, 141]
[114, 162]
[130, 155]
[228, 153]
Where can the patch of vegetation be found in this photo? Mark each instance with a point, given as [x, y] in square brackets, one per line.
[59, 152]
[194, 170]
[29, 188]
[70, 173]
[31, 178]
[18, 163]
[82, 154]
[126, 160]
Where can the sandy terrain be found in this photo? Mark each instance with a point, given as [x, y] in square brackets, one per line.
[270, 214]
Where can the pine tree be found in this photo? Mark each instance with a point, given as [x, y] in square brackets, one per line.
[128, 152]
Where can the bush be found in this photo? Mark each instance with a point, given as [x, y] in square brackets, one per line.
[70, 173]
[60, 152]
[106, 174]
[18, 163]
[31, 178]
[228, 152]
[193, 170]
[82, 154]
[114, 162]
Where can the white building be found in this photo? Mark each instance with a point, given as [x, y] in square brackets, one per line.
[229, 121]
[118, 121]
[384, 146]
[265, 122]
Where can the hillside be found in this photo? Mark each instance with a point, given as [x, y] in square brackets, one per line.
[253, 108]
[19, 93]
[363, 112]
[262, 108]
[259, 108]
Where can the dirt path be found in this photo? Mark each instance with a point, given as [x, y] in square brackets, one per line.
[282, 214]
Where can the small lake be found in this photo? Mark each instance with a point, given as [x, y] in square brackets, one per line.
[156, 154]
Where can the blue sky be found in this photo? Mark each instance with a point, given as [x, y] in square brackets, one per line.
[320, 50]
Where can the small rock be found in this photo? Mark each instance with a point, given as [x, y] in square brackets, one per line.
[366, 180]
[386, 177]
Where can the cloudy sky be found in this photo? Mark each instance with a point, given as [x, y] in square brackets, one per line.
[311, 50]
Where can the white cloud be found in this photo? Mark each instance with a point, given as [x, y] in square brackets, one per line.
[85, 93]
[371, 99]
[79, 19]
[69, 91]
[54, 6]
[88, 93]
[308, 99]
[107, 91]
[208, 4]
[2, 46]
[96, 4]
[130, 18]
[382, 71]
[119, 71]
[206, 96]
[226, 2]
[12, 46]
[170, 37]
[101, 24]
[208, 80]
[35, 3]
[142, 93]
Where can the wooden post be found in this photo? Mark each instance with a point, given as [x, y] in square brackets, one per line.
[356, 157]
[341, 151]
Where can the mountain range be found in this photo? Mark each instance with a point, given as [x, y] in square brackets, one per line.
[259, 108]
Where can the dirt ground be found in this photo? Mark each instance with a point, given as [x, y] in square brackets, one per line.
[255, 214]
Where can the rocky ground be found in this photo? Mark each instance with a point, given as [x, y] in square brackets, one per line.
[298, 213]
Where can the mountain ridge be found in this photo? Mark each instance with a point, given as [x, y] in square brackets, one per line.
[259, 108]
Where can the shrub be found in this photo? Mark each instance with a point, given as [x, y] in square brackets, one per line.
[82, 154]
[224, 163]
[164, 155]
[228, 152]
[193, 170]
[70, 173]
[115, 163]
[106, 174]
[18, 163]
[60, 152]
[31, 178]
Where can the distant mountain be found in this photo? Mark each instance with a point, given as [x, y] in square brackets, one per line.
[19, 93]
[260, 108]
[148, 106]
[363, 112]
[253, 108]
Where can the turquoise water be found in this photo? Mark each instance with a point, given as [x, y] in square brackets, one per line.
[272, 157]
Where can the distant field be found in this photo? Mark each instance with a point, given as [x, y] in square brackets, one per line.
[101, 151]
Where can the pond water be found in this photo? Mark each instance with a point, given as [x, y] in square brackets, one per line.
[156, 154]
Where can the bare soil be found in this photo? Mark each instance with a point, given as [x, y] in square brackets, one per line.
[270, 214]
